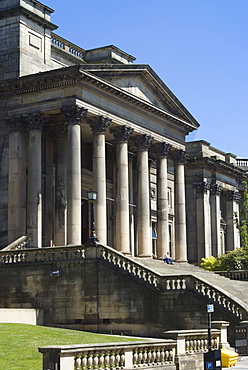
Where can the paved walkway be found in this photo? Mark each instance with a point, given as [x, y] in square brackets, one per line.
[242, 364]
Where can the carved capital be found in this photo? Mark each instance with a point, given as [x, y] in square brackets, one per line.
[216, 189]
[161, 150]
[99, 124]
[74, 114]
[179, 156]
[233, 196]
[121, 133]
[142, 142]
[202, 187]
[36, 121]
[49, 132]
[17, 124]
[61, 130]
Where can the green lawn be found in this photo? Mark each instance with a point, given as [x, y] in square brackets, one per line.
[19, 343]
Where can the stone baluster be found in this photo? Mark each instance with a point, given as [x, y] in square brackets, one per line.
[162, 151]
[17, 178]
[180, 207]
[142, 143]
[74, 116]
[98, 126]
[61, 184]
[122, 134]
[34, 201]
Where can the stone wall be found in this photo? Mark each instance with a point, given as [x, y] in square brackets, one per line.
[90, 295]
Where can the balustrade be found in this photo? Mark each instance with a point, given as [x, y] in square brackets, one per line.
[110, 356]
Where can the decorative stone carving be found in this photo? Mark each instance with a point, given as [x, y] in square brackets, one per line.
[202, 187]
[61, 130]
[49, 132]
[216, 189]
[179, 156]
[74, 114]
[121, 133]
[17, 124]
[233, 196]
[99, 124]
[142, 142]
[161, 150]
[36, 121]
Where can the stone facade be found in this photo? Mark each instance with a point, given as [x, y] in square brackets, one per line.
[73, 120]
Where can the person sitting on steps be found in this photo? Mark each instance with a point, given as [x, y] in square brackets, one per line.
[167, 258]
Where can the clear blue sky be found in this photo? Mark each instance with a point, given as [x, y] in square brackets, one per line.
[198, 47]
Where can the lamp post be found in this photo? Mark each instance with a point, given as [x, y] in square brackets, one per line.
[92, 197]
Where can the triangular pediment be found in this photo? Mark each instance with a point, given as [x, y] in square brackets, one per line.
[142, 82]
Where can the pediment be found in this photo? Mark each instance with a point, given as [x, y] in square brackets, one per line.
[142, 82]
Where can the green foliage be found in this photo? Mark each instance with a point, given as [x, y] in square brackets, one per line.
[19, 343]
[241, 223]
[209, 263]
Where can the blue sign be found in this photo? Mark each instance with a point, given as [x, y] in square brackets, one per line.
[209, 365]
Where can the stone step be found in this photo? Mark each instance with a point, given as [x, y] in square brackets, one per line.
[234, 288]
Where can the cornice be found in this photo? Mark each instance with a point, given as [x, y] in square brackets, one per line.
[75, 75]
[18, 10]
[217, 164]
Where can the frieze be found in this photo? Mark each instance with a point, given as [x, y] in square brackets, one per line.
[99, 124]
[121, 133]
[74, 114]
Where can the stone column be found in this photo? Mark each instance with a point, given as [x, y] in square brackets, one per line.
[144, 234]
[34, 203]
[17, 178]
[162, 151]
[61, 185]
[203, 219]
[232, 233]
[215, 219]
[48, 212]
[74, 116]
[98, 126]
[131, 201]
[180, 208]
[122, 226]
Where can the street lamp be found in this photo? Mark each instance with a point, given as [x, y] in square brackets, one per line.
[92, 197]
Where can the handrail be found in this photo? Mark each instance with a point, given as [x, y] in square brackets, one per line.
[125, 264]
[241, 275]
[124, 355]
[19, 243]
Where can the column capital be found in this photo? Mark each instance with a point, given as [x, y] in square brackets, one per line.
[142, 142]
[17, 124]
[74, 114]
[49, 132]
[121, 133]
[99, 124]
[202, 186]
[161, 150]
[179, 156]
[61, 130]
[36, 121]
[233, 195]
[216, 189]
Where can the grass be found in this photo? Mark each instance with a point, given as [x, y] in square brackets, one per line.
[19, 343]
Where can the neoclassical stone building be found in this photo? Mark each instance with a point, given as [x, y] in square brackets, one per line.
[75, 120]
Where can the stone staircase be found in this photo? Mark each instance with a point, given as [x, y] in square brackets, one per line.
[219, 289]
